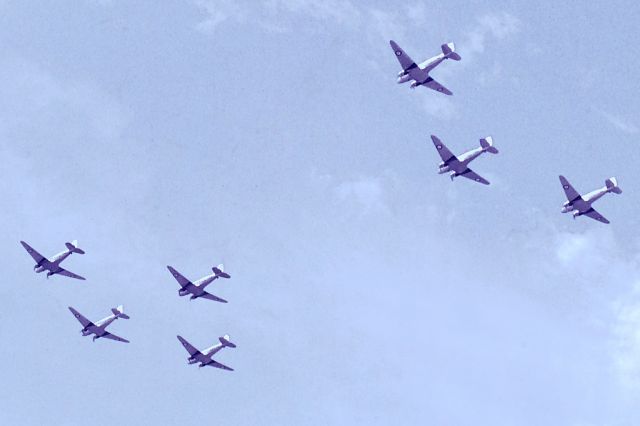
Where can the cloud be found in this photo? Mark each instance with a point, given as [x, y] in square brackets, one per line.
[627, 341]
[439, 106]
[618, 122]
[365, 191]
[497, 26]
[219, 11]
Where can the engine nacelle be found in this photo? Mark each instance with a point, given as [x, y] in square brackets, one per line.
[191, 360]
[567, 208]
[576, 213]
[402, 74]
[182, 292]
[414, 84]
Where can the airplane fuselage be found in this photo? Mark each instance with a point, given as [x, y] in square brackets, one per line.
[587, 199]
[463, 162]
[428, 65]
[196, 289]
[52, 265]
[99, 328]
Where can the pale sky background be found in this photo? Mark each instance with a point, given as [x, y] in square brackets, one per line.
[366, 289]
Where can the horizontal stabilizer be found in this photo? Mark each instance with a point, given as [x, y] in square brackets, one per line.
[119, 312]
[449, 51]
[487, 145]
[219, 271]
[73, 247]
[226, 342]
[612, 185]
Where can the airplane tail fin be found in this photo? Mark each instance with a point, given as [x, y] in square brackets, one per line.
[226, 342]
[449, 51]
[119, 312]
[73, 247]
[487, 145]
[219, 271]
[612, 185]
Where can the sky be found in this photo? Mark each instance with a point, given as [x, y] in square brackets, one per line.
[366, 289]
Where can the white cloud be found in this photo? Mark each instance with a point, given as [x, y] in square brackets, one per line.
[365, 191]
[627, 341]
[618, 122]
[439, 106]
[219, 11]
[496, 25]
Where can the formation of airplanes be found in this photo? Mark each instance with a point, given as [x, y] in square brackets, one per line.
[454, 165]
[418, 75]
[98, 329]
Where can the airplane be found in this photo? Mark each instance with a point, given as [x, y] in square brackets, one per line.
[99, 328]
[419, 74]
[196, 289]
[458, 166]
[53, 265]
[580, 205]
[205, 357]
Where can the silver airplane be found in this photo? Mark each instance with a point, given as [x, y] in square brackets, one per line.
[98, 329]
[458, 166]
[205, 357]
[196, 289]
[53, 265]
[418, 74]
[580, 205]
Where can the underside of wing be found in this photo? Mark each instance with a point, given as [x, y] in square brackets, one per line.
[219, 365]
[33, 253]
[571, 194]
[470, 174]
[69, 274]
[210, 296]
[108, 335]
[188, 346]
[593, 214]
[85, 322]
[179, 277]
[406, 62]
[446, 155]
[434, 85]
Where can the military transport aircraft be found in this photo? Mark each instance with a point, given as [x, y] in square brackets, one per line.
[53, 265]
[419, 74]
[196, 289]
[99, 328]
[580, 205]
[458, 166]
[205, 357]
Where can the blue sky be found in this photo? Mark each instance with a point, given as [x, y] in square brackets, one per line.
[366, 289]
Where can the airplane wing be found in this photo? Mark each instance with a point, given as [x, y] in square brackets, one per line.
[572, 194]
[33, 253]
[188, 346]
[181, 279]
[407, 63]
[446, 155]
[593, 214]
[85, 322]
[210, 296]
[219, 365]
[69, 274]
[470, 174]
[108, 335]
[434, 85]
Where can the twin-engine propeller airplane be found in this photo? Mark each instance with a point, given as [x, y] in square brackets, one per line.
[580, 205]
[418, 74]
[53, 265]
[205, 357]
[196, 289]
[98, 329]
[458, 166]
